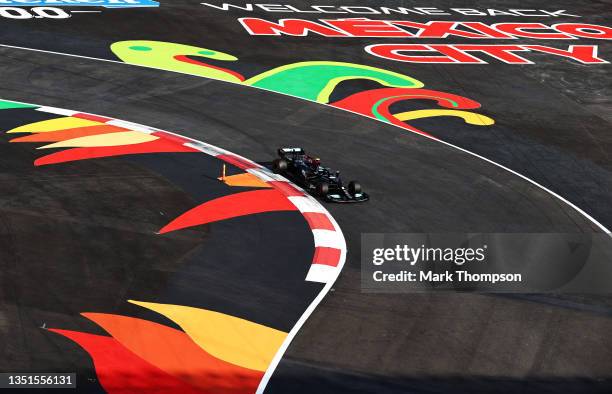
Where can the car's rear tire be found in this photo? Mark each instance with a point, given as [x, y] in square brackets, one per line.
[280, 165]
[354, 187]
[323, 189]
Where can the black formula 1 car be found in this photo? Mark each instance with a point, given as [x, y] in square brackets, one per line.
[308, 172]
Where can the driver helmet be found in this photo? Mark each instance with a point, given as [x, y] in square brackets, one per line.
[313, 161]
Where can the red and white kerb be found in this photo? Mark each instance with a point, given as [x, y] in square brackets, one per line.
[329, 242]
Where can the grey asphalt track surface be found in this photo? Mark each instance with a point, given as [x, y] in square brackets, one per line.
[553, 122]
[358, 342]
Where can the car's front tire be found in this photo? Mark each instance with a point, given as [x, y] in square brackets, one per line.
[354, 187]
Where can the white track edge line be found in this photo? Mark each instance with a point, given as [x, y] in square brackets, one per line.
[311, 308]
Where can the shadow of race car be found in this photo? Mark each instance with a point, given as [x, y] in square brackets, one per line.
[308, 172]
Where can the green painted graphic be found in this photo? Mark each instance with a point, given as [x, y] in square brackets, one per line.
[11, 105]
[175, 57]
[317, 79]
[310, 80]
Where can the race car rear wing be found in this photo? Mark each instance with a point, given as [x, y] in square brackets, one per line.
[290, 151]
